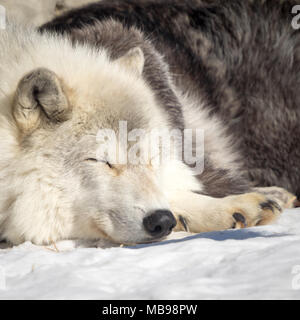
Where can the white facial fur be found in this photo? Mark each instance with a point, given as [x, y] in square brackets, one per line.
[49, 190]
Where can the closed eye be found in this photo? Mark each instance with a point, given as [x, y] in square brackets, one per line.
[103, 161]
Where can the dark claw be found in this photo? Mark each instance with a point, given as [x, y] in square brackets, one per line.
[239, 218]
[270, 204]
[183, 222]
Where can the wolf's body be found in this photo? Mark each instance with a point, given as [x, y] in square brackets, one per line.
[228, 68]
[237, 59]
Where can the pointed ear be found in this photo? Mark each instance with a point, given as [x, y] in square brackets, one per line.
[39, 97]
[133, 60]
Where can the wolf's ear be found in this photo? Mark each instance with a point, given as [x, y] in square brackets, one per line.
[133, 60]
[39, 97]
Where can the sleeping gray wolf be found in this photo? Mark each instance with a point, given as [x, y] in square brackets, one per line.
[229, 68]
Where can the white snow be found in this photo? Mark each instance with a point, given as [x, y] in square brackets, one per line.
[254, 263]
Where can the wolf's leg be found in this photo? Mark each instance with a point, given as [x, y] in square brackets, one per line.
[198, 213]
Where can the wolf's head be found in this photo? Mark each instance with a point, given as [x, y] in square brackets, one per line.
[62, 184]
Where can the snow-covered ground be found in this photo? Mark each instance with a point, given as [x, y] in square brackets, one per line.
[254, 263]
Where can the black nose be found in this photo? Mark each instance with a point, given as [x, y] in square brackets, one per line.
[159, 223]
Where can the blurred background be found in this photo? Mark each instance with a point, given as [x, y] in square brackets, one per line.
[38, 12]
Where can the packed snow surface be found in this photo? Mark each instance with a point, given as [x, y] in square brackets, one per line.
[255, 263]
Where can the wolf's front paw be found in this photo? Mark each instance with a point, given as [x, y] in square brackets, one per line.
[199, 213]
[253, 209]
